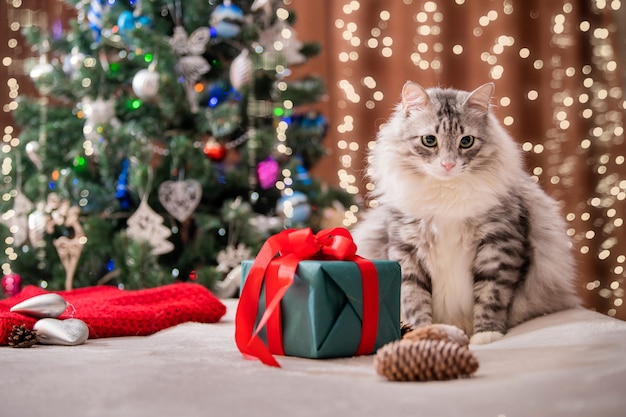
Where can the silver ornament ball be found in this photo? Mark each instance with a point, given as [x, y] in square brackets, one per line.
[146, 84]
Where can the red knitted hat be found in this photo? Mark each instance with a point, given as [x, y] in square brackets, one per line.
[109, 311]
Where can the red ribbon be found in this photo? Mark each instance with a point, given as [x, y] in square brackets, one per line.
[288, 248]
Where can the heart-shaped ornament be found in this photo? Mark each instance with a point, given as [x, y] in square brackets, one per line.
[180, 198]
[70, 332]
[40, 306]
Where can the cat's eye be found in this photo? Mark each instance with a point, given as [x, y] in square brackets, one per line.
[467, 141]
[429, 141]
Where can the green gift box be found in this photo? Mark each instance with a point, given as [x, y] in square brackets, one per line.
[322, 310]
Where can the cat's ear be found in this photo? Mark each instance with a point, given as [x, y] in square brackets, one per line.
[479, 99]
[414, 97]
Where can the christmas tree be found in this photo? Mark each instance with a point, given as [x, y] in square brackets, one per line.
[167, 142]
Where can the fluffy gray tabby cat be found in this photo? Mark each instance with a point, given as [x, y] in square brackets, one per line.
[480, 245]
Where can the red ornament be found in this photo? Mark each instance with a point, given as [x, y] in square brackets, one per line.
[214, 150]
[11, 284]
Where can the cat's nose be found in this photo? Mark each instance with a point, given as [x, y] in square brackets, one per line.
[448, 165]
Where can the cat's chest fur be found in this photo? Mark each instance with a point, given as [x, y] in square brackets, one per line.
[448, 252]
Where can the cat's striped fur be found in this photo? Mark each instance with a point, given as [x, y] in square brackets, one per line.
[480, 245]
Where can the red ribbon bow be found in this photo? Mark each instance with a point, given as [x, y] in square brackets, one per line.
[289, 247]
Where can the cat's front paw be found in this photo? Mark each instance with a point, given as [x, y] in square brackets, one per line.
[482, 338]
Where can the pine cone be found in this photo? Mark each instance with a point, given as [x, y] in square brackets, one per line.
[424, 360]
[438, 332]
[21, 337]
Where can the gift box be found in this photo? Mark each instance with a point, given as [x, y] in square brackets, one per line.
[322, 312]
[321, 305]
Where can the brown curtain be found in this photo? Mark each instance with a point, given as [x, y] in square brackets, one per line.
[559, 75]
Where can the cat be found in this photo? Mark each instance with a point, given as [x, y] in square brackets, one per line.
[481, 246]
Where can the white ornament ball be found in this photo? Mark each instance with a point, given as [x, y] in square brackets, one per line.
[41, 70]
[146, 84]
[73, 62]
[241, 70]
[41, 74]
[32, 151]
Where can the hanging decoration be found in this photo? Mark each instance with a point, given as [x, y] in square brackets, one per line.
[227, 19]
[32, 151]
[294, 207]
[73, 62]
[262, 10]
[16, 219]
[122, 194]
[241, 70]
[229, 263]
[218, 93]
[95, 16]
[68, 248]
[302, 175]
[147, 225]
[37, 225]
[266, 225]
[232, 256]
[189, 48]
[191, 64]
[290, 46]
[180, 198]
[130, 20]
[146, 83]
[98, 112]
[11, 284]
[214, 150]
[41, 73]
[267, 172]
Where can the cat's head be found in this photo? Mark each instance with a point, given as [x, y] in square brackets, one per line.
[445, 130]
[443, 138]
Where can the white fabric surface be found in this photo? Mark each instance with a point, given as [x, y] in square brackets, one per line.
[572, 363]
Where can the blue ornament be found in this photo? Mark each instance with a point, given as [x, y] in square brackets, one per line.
[312, 123]
[121, 190]
[95, 16]
[227, 20]
[294, 208]
[302, 175]
[127, 21]
[218, 93]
